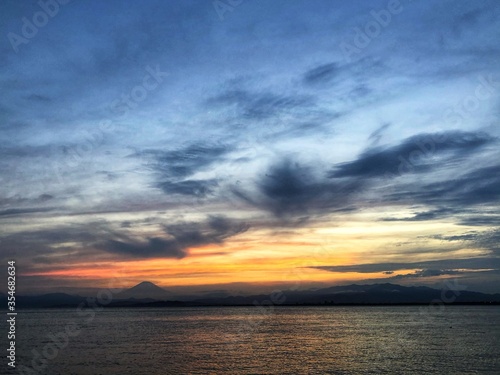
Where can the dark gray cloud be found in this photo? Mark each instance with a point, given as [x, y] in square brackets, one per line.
[468, 194]
[477, 187]
[261, 105]
[413, 155]
[460, 237]
[470, 18]
[38, 98]
[84, 234]
[487, 220]
[288, 189]
[445, 264]
[376, 136]
[489, 239]
[173, 168]
[354, 74]
[427, 273]
[469, 198]
[197, 188]
[25, 151]
[184, 162]
[154, 247]
[423, 154]
[104, 241]
[322, 73]
[426, 215]
[37, 247]
[24, 211]
[179, 239]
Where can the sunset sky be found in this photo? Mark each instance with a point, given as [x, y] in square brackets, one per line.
[236, 144]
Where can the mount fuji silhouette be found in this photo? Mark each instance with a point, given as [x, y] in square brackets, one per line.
[145, 290]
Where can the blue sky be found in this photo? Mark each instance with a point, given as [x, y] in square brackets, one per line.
[230, 135]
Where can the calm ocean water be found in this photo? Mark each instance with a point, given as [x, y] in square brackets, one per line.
[243, 340]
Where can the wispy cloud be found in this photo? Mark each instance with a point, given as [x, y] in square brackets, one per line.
[321, 73]
[414, 155]
[288, 189]
[174, 169]
[261, 105]
[445, 264]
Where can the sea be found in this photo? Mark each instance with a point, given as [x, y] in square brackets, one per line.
[434, 339]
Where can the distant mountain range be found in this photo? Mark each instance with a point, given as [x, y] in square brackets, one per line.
[374, 294]
[148, 294]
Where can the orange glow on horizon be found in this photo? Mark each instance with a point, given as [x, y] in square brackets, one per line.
[254, 257]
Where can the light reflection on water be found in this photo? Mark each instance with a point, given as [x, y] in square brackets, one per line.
[288, 340]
